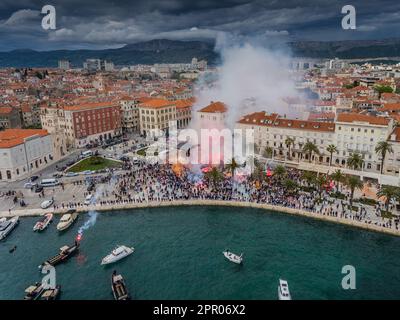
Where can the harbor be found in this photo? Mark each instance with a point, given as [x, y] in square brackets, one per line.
[178, 255]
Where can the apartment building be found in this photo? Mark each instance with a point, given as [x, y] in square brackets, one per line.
[130, 114]
[24, 151]
[155, 115]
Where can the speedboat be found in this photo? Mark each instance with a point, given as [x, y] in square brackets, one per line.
[118, 287]
[6, 226]
[233, 257]
[65, 253]
[283, 290]
[118, 253]
[44, 222]
[33, 292]
[67, 220]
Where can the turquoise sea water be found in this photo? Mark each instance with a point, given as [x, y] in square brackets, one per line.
[178, 255]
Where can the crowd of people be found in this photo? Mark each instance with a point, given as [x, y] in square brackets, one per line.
[162, 183]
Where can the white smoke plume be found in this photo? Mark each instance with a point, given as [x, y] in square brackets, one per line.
[251, 78]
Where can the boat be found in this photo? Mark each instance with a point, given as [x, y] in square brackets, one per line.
[6, 226]
[117, 254]
[12, 249]
[44, 222]
[65, 253]
[67, 220]
[233, 257]
[51, 294]
[33, 292]
[118, 287]
[283, 290]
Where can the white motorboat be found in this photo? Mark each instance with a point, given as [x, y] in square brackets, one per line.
[117, 254]
[233, 257]
[67, 220]
[44, 222]
[283, 290]
[6, 226]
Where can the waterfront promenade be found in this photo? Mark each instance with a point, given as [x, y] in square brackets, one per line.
[349, 221]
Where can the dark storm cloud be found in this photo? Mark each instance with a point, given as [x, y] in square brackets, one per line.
[103, 23]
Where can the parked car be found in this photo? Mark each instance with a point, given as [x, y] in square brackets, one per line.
[88, 199]
[30, 185]
[71, 174]
[91, 187]
[46, 204]
[57, 175]
[34, 178]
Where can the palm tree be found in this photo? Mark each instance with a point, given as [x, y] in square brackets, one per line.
[355, 161]
[232, 166]
[309, 177]
[331, 149]
[280, 171]
[310, 148]
[321, 181]
[338, 177]
[389, 192]
[289, 142]
[290, 185]
[382, 148]
[268, 152]
[353, 183]
[215, 175]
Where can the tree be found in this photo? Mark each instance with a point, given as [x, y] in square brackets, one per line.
[389, 192]
[310, 148]
[383, 89]
[354, 183]
[355, 161]
[215, 176]
[338, 177]
[321, 181]
[289, 142]
[331, 149]
[309, 177]
[232, 166]
[290, 185]
[268, 152]
[280, 172]
[381, 149]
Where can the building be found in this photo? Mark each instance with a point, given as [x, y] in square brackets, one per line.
[64, 65]
[212, 116]
[130, 114]
[155, 115]
[92, 65]
[271, 131]
[24, 151]
[360, 133]
[392, 160]
[84, 123]
[183, 112]
[9, 118]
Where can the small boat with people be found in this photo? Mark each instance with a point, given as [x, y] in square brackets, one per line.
[117, 254]
[65, 253]
[238, 259]
[118, 286]
[33, 292]
[7, 225]
[51, 294]
[283, 290]
[12, 250]
[67, 220]
[44, 222]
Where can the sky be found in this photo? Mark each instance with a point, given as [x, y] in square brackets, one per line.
[97, 24]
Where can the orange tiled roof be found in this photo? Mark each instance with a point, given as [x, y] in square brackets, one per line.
[215, 107]
[395, 135]
[390, 107]
[273, 120]
[357, 117]
[12, 137]
[157, 103]
[5, 110]
[89, 105]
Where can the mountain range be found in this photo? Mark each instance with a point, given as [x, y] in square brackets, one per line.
[172, 51]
